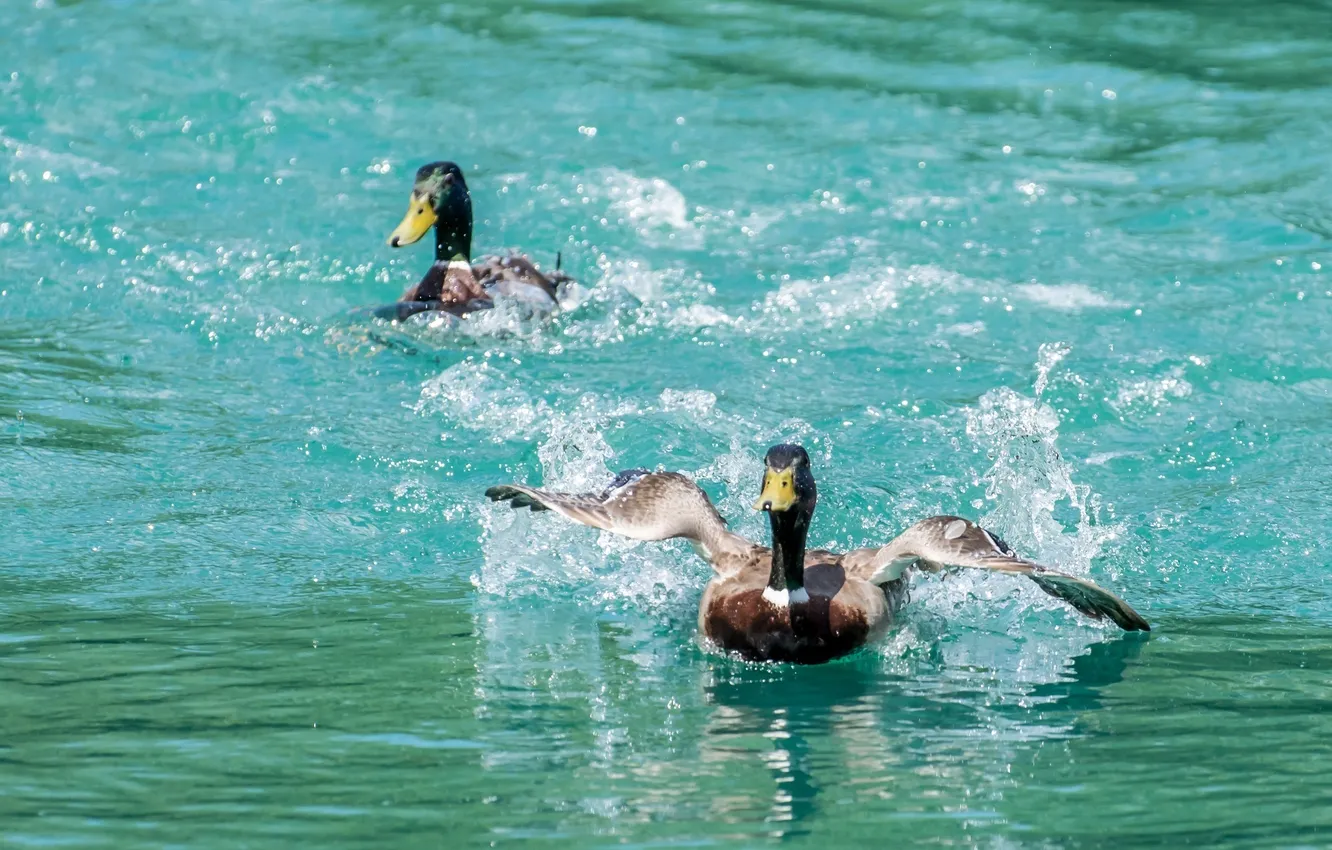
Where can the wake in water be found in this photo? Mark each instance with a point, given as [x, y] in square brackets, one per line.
[627, 296]
[1028, 483]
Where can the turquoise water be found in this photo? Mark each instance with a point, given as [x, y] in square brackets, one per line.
[1062, 267]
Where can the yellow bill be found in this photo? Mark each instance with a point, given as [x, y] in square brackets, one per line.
[778, 491]
[419, 219]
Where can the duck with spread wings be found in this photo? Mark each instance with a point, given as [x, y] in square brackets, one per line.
[454, 284]
[786, 602]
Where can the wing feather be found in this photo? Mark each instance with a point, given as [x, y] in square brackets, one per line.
[952, 541]
[516, 275]
[638, 504]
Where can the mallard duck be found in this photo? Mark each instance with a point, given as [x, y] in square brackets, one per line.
[454, 284]
[787, 603]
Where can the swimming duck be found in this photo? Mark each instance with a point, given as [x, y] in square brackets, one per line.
[789, 603]
[454, 284]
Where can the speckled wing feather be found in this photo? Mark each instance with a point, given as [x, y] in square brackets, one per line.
[516, 266]
[638, 504]
[952, 541]
[516, 277]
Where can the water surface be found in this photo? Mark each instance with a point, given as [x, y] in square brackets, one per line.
[1061, 267]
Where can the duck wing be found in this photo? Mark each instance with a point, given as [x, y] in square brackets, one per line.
[516, 270]
[952, 541]
[640, 505]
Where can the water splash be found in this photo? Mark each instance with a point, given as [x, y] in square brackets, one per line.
[631, 298]
[656, 210]
[479, 395]
[1048, 356]
[862, 294]
[1035, 505]
[540, 555]
[1067, 297]
[1151, 393]
[1029, 481]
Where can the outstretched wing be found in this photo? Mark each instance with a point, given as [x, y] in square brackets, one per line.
[952, 541]
[638, 504]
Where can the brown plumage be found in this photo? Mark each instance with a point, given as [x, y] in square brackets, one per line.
[453, 283]
[452, 287]
[517, 270]
[786, 603]
[842, 614]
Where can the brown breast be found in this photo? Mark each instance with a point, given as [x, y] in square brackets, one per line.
[819, 630]
[454, 288]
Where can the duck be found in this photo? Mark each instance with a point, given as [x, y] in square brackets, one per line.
[787, 602]
[454, 284]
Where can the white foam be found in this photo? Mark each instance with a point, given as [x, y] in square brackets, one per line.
[1070, 297]
[631, 298]
[919, 207]
[693, 316]
[81, 166]
[1152, 392]
[858, 295]
[655, 209]
[479, 395]
[698, 402]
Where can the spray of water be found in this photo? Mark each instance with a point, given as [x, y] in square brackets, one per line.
[972, 620]
[976, 621]
[1029, 483]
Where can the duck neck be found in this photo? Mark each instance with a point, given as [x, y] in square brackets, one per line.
[453, 229]
[789, 529]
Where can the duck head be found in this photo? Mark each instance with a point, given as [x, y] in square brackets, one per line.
[439, 199]
[789, 496]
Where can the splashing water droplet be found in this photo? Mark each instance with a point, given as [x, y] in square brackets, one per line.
[1049, 355]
